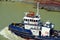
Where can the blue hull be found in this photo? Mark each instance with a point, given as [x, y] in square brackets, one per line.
[24, 33]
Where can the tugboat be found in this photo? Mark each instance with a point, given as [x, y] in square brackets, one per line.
[32, 27]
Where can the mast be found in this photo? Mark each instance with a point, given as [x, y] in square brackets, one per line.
[37, 8]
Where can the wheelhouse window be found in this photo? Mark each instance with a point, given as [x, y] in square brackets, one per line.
[31, 20]
[34, 20]
[26, 19]
[37, 20]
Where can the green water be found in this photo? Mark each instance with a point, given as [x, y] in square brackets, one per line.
[14, 12]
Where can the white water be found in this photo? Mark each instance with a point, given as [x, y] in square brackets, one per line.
[7, 34]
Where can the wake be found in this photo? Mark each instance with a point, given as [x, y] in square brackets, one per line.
[9, 35]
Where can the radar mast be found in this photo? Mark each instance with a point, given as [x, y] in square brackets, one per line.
[37, 8]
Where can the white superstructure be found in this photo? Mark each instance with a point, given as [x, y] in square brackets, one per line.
[33, 22]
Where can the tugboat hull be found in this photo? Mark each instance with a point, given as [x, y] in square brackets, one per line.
[24, 33]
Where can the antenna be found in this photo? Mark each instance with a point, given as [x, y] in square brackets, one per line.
[37, 8]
